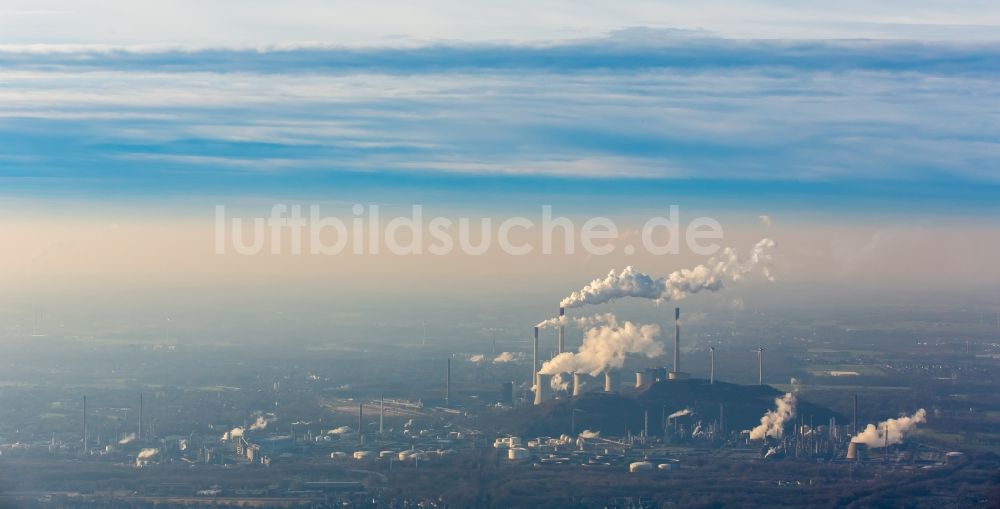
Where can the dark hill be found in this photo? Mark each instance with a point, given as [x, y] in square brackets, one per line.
[611, 413]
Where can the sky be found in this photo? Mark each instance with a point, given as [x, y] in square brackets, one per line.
[868, 133]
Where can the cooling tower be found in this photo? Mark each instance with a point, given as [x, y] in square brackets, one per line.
[543, 388]
[610, 384]
[577, 384]
[857, 451]
[642, 378]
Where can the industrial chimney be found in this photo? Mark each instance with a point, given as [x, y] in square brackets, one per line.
[543, 388]
[447, 384]
[641, 378]
[85, 436]
[854, 422]
[711, 372]
[609, 381]
[534, 358]
[139, 436]
[561, 343]
[760, 365]
[677, 340]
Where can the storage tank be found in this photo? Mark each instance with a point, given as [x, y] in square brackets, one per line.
[640, 466]
[517, 454]
[360, 455]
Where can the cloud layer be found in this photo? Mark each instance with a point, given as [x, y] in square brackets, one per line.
[762, 117]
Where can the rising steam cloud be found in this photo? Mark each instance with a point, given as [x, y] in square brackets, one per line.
[233, 434]
[711, 276]
[505, 357]
[679, 413]
[875, 436]
[145, 454]
[260, 423]
[772, 424]
[127, 439]
[605, 346]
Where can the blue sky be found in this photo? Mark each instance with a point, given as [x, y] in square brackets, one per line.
[870, 131]
[638, 112]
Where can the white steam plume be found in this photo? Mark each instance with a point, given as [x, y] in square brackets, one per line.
[772, 424]
[477, 358]
[127, 439]
[589, 434]
[679, 413]
[558, 384]
[897, 429]
[145, 454]
[605, 346]
[505, 357]
[260, 423]
[711, 276]
[233, 433]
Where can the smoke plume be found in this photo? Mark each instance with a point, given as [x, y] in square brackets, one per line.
[772, 424]
[897, 429]
[679, 413]
[260, 423]
[233, 434]
[605, 346]
[477, 358]
[589, 434]
[711, 276]
[127, 439]
[146, 454]
[505, 357]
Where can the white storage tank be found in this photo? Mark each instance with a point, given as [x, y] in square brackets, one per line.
[640, 466]
[360, 455]
[517, 454]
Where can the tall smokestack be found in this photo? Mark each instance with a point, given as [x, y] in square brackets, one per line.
[711, 372]
[447, 384]
[543, 388]
[139, 435]
[381, 414]
[534, 358]
[85, 437]
[561, 342]
[854, 423]
[722, 419]
[677, 340]
[760, 365]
